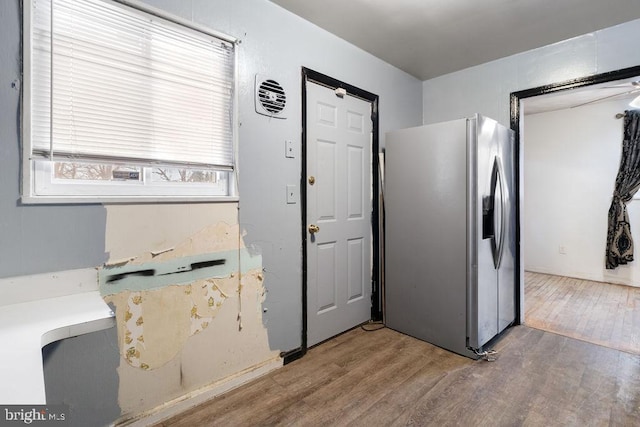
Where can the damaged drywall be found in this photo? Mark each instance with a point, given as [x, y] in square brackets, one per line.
[153, 325]
[202, 284]
[134, 274]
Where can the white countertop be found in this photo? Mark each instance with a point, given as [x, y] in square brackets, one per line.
[26, 327]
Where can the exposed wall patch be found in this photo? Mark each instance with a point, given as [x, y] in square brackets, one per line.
[153, 325]
[165, 297]
[186, 278]
[178, 271]
[150, 229]
[210, 253]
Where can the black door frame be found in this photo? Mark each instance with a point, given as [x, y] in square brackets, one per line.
[376, 309]
[518, 96]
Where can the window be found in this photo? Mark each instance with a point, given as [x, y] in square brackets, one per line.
[121, 104]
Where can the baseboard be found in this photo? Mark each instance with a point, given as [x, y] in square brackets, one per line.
[605, 278]
[194, 398]
[572, 274]
[290, 356]
[55, 284]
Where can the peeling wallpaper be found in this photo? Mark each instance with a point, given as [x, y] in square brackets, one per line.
[161, 300]
[154, 327]
[179, 304]
[182, 360]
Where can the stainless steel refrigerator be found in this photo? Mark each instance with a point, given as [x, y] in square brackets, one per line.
[450, 233]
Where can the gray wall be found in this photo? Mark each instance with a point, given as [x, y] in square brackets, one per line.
[81, 372]
[35, 239]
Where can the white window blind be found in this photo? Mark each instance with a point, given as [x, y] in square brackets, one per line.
[110, 82]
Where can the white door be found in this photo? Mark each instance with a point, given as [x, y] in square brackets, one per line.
[338, 212]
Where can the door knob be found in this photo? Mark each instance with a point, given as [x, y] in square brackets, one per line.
[313, 229]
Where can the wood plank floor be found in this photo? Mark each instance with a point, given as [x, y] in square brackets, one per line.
[385, 378]
[600, 313]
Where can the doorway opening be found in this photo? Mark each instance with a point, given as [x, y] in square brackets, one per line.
[568, 137]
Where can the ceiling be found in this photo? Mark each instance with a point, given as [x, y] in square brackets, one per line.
[428, 38]
[627, 90]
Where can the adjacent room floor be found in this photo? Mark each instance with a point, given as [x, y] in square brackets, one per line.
[386, 378]
[600, 313]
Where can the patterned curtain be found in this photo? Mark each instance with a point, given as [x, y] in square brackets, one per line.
[619, 241]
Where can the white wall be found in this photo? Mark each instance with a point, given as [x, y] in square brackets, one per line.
[486, 88]
[571, 159]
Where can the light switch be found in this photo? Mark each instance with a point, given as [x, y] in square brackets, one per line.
[289, 150]
[292, 194]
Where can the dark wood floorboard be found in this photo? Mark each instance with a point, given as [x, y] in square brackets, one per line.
[600, 313]
[385, 378]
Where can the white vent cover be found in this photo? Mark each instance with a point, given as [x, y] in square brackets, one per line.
[270, 98]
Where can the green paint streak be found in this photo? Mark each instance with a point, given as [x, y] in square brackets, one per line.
[178, 271]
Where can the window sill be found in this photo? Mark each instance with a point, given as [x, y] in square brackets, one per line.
[84, 200]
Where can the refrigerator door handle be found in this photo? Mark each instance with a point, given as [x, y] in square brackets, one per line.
[498, 212]
[487, 218]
